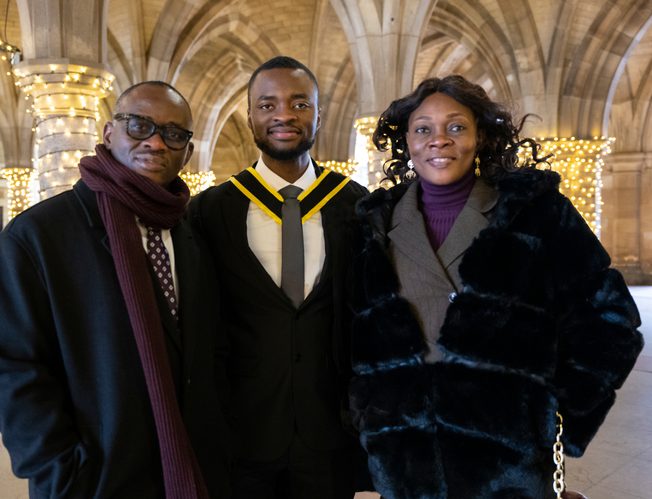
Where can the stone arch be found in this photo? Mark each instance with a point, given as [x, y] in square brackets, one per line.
[595, 62]
[119, 64]
[634, 90]
[378, 32]
[457, 41]
[335, 73]
[234, 148]
[212, 66]
[126, 42]
[337, 120]
[175, 26]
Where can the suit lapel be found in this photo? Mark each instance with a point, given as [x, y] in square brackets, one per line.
[331, 224]
[88, 202]
[235, 221]
[410, 237]
[187, 258]
[471, 220]
[409, 233]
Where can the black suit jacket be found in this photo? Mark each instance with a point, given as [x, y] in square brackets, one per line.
[75, 415]
[286, 367]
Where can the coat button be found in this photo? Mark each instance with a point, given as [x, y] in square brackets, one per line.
[452, 297]
[188, 381]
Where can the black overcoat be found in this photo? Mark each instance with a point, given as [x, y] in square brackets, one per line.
[74, 410]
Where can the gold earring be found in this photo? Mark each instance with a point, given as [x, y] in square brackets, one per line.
[477, 166]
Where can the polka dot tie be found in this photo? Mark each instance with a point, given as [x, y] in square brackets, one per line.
[158, 256]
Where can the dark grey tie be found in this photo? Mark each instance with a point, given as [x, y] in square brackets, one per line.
[292, 245]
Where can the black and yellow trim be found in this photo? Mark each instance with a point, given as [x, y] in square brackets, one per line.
[313, 199]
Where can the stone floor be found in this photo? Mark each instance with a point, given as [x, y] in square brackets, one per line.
[617, 464]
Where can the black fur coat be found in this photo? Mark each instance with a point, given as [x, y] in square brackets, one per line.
[541, 325]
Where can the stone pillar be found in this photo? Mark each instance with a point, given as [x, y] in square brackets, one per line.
[384, 38]
[66, 100]
[623, 213]
[645, 214]
[369, 160]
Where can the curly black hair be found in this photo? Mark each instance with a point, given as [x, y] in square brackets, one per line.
[498, 135]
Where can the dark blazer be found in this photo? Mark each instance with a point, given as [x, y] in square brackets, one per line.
[74, 410]
[286, 367]
[540, 324]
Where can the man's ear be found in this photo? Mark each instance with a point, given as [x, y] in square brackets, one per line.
[189, 151]
[318, 117]
[106, 134]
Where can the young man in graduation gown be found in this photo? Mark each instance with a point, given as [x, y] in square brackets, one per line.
[282, 266]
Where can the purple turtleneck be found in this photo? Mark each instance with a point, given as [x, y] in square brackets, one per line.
[441, 204]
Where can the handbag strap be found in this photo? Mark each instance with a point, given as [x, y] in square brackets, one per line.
[558, 482]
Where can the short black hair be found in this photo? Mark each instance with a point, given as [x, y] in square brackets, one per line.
[156, 83]
[280, 62]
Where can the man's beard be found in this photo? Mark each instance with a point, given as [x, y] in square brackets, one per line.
[285, 154]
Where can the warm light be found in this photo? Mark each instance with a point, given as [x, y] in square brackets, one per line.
[369, 170]
[580, 163]
[14, 52]
[65, 109]
[344, 167]
[198, 181]
[18, 188]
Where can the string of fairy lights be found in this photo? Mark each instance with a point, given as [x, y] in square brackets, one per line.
[197, 181]
[580, 163]
[19, 181]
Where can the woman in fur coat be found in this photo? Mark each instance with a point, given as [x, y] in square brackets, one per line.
[484, 306]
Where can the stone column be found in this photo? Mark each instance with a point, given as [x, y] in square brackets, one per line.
[369, 160]
[66, 100]
[623, 213]
[645, 213]
[384, 38]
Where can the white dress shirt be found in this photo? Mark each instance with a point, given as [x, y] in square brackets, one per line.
[264, 234]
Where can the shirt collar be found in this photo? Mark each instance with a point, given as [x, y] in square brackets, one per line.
[277, 183]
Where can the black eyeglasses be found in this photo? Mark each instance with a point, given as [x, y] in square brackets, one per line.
[141, 128]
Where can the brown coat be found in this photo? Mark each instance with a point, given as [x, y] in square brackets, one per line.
[428, 279]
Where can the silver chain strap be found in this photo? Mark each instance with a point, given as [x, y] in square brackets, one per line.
[558, 457]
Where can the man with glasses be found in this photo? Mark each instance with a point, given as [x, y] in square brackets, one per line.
[108, 332]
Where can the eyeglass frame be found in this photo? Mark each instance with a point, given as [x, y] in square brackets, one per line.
[157, 129]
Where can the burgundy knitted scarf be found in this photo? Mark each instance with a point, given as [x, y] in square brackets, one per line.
[123, 195]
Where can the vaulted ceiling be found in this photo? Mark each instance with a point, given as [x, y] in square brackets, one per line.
[584, 67]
